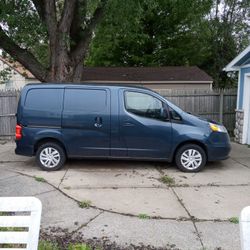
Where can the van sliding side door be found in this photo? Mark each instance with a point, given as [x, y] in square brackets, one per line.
[86, 121]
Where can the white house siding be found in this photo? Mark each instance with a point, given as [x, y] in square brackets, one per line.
[16, 81]
[27, 81]
[242, 129]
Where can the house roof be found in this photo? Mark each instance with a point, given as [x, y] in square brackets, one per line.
[241, 60]
[18, 68]
[172, 74]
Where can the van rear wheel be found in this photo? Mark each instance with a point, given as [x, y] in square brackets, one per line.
[190, 158]
[50, 156]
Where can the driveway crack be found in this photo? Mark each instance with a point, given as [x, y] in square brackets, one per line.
[244, 165]
[63, 178]
[192, 218]
[86, 224]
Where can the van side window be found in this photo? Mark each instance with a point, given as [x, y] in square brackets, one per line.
[44, 99]
[145, 105]
[85, 100]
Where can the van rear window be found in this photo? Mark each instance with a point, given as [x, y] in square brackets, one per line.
[44, 99]
[89, 100]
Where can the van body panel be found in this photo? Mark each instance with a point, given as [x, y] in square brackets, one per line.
[86, 121]
[118, 146]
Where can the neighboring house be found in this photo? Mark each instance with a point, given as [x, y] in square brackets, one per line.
[18, 75]
[173, 77]
[241, 63]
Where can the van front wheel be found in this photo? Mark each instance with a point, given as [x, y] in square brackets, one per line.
[190, 158]
[50, 156]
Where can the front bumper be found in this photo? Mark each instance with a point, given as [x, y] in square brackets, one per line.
[218, 153]
[219, 147]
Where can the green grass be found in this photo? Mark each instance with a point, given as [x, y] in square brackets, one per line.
[85, 204]
[46, 245]
[234, 220]
[13, 229]
[39, 179]
[170, 181]
[143, 216]
[79, 247]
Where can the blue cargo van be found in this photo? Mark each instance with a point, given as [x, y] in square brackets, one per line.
[59, 121]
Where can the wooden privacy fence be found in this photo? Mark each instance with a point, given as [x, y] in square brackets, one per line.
[8, 107]
[218, 105]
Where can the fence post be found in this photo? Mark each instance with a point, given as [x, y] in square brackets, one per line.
[221, 106]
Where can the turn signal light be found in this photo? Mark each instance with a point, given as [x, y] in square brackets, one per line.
[18, 132]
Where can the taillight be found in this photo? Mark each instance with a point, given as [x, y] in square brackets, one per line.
[18, 132]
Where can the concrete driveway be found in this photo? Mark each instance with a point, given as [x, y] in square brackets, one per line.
[200, 205]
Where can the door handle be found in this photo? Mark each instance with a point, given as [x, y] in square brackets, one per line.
[98, 122]
[128, 124]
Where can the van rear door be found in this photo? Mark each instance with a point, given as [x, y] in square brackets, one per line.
[86, 121]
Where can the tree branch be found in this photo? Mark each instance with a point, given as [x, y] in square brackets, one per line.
[67, 15]
[39, 4]
[50, 17]
[78, 21]
[81, 48]
[23, 56]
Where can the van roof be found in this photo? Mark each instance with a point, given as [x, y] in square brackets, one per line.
[62, 85]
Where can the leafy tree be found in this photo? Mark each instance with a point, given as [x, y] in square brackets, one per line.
[5, 75]
[144, 33]
[49, 37]
[227, 30]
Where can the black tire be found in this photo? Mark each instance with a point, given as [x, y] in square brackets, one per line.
[184, 157]
[56, 154]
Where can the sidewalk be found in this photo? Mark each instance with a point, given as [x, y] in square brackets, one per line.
[193, 213]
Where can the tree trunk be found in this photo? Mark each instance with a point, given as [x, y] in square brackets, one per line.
[63, 68]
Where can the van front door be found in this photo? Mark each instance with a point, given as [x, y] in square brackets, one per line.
[86, 121]
[145, 125]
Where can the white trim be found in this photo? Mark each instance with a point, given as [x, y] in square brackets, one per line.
[230, 66]
[246, 66]
[246, 108]
[238, 90]
[147, 82]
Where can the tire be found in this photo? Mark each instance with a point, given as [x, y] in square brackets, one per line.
[190, 158]
[50, 156]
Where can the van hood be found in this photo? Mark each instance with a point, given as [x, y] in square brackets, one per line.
[207, 120]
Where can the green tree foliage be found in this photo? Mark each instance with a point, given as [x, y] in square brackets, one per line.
[228, 32]
[161, 32]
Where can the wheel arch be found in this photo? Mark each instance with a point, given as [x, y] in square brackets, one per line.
[44, 140]
[202, 145]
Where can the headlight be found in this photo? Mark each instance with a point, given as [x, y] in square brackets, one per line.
[217, 128]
